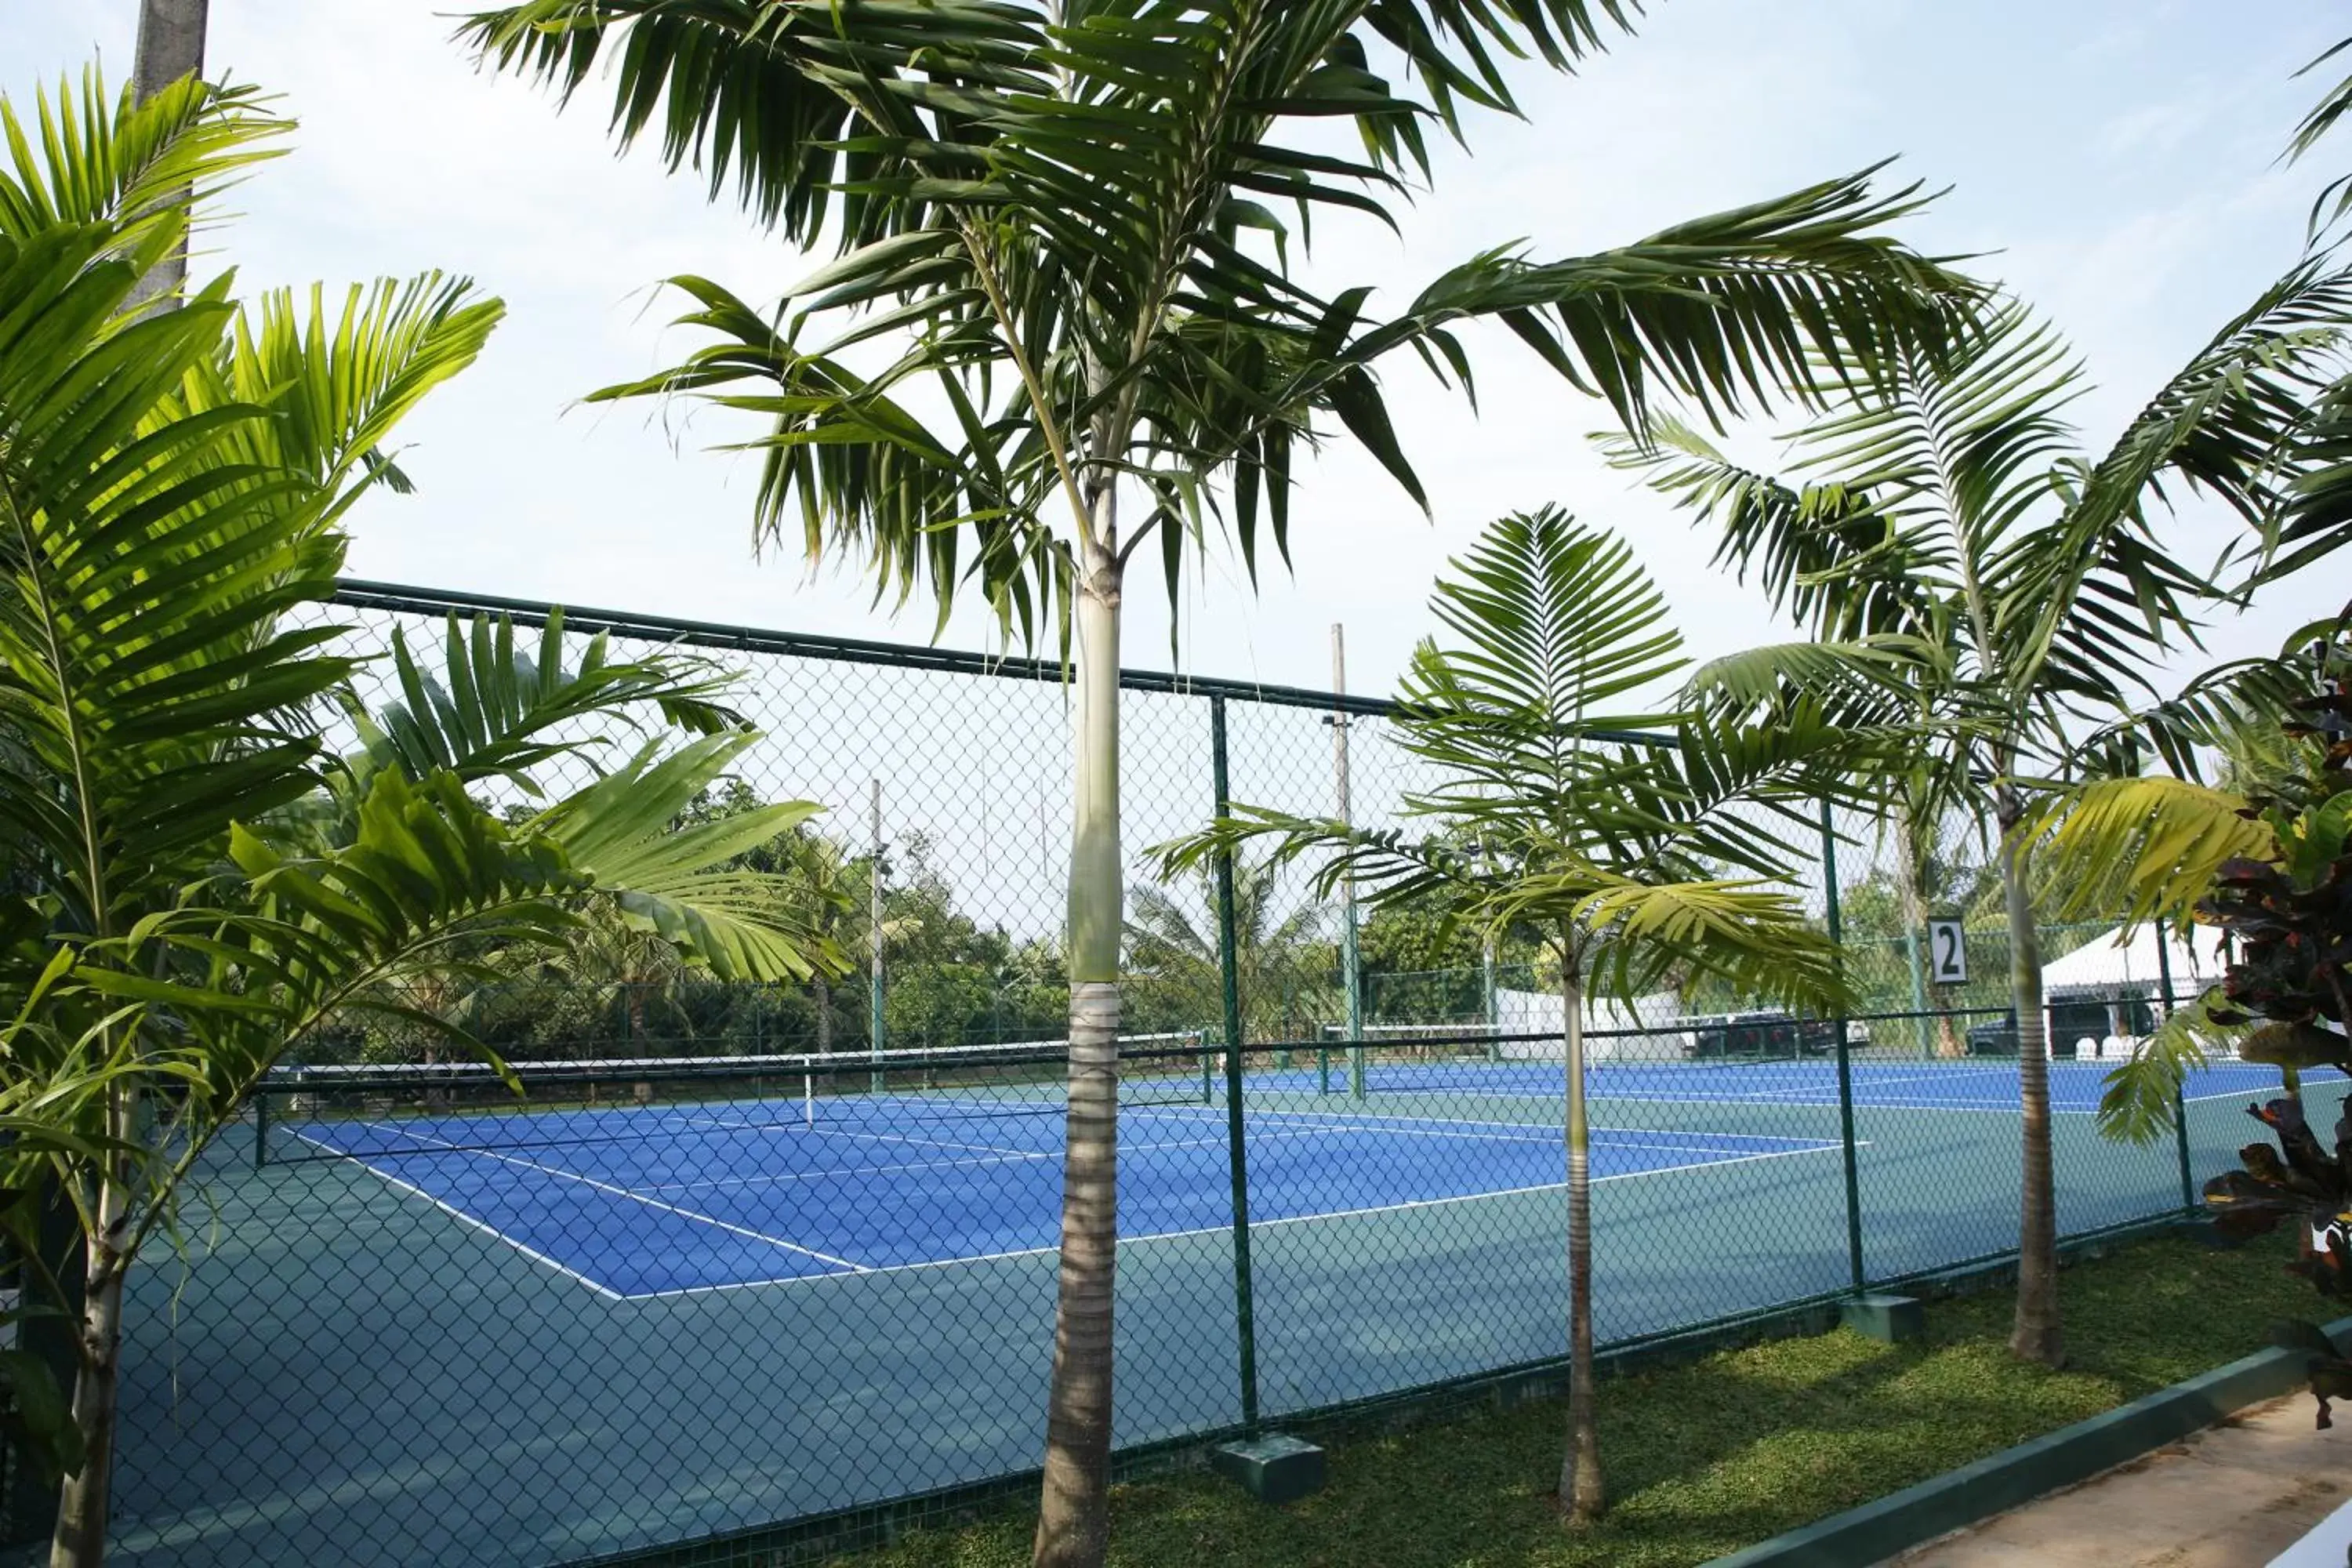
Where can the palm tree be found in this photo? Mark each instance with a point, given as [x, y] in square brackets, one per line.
[1166, 943]
[1060, 283]
[1635, 862]
[1968, 576]
[208, 884]
[2155, 847]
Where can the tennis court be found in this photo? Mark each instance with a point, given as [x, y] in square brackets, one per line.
[636, 1202]
[592, 1322]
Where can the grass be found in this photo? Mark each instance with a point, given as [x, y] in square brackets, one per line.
[1709, 1456]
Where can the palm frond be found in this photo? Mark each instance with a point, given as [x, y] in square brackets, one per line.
[618, 834]
[2329, 206]
[2138, 1103]
[143, 678]
[2143, 848]
[133, 169]
[335, 386]
[497, 709]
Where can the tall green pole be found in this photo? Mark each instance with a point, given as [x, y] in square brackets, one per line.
[874, 943]
[1350, 973]
[1237, 1156]
[1844, 1060]
[1921, 1025]
[1494, 1016]
[2188, 1204]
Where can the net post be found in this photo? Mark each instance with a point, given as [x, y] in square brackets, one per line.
[1323, 1059]
[1244, 1313]
[260, 1124]
[1835, 920]
[2188, 1204]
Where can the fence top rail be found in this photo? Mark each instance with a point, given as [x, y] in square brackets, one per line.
[361, 593]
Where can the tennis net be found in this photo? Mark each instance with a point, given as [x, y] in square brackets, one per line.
[365, 1109]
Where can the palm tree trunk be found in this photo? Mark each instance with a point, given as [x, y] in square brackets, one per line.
[1074, 1519]
[824, 1016]
[79, 1538]
[1581, 1495]
[2036, 1335]
[171, 45]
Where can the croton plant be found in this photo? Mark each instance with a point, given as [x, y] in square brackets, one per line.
[2289, 917]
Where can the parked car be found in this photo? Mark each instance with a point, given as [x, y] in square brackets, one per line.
[1993, 1037]
[2076, 1014]
[1762, 1035]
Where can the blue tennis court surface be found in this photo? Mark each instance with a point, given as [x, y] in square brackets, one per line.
[638, 1202]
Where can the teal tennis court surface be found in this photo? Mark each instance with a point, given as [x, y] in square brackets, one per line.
[639, 1202]
[387, 1320]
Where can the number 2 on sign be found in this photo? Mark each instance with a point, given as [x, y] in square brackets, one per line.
[1948, 952]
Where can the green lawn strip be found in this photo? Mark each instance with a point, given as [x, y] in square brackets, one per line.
[1709, 1456]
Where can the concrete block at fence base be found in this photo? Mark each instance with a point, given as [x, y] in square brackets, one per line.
[1273, 1468]
[1893, 1319]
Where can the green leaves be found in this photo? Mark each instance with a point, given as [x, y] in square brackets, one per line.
[672, 881]
[1548, 813]
[2137, 1106]
[499, 710]
[195, 884]
[1071, 229]
[2144, 849]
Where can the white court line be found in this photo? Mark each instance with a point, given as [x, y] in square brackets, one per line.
[1227, 1229]
[462, 1217]
[633, 1197]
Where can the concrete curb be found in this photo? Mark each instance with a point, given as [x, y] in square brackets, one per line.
[2001, 1481]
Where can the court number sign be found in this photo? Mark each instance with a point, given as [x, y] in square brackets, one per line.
[1947, 951]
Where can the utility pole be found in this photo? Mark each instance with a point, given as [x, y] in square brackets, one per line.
[1350, 978]
[171, 45]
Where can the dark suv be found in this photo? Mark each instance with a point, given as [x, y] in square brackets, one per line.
[1993, 1037]
[1769, 1035]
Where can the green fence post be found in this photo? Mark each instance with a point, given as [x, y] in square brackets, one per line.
[1921, 1025]
[1352, 978]
[1844, 1059]
[874, 941]
[1494, 1019]
[2188, 1204]
[1245, 1315]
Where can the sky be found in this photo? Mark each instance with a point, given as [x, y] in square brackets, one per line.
[2115, 161]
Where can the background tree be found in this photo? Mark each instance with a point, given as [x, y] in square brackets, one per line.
[209, 884]
[1058, 282]
[1172, 952]
[1632, 861]
[1970, 576]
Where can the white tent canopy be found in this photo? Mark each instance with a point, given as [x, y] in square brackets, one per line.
[2115, 960]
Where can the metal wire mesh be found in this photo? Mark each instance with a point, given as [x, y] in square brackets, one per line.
[742, 1258]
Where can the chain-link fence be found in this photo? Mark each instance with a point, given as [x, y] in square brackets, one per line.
[745, 1260]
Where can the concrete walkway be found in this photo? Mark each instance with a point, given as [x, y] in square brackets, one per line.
[2233, 1497]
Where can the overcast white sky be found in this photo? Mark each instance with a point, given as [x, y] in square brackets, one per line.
[2119, 155]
